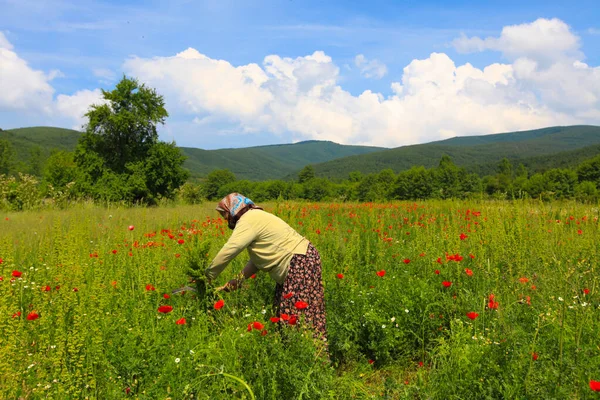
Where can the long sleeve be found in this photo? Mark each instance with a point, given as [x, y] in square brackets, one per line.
[242, 236]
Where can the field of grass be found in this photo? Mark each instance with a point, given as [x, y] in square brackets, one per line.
[432, 300]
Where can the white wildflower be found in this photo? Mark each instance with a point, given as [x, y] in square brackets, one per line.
[393, 319]
[177, 360]
[560, 299]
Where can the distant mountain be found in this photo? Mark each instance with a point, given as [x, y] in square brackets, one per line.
[477, 153]
[253, 163]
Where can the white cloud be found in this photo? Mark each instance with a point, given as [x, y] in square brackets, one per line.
[544, 40]
[22, 86]
[370, 68]
[104, 74]
[75, 106]
[593, 31]
[27, 90]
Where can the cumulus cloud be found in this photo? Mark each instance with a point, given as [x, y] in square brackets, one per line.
[370, 68]
[28, 90]
[544, 40]
[434, 99]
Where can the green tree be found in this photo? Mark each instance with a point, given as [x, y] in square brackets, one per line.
[120, 156]
[7, 157]
[60, 169]
[36, 163]
[123, 129]
[215, 180]
[589, 170]
[306, 174]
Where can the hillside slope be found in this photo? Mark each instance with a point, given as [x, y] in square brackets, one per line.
[475, 152]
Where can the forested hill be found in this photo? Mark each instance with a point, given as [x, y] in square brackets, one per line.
[253, 163]
[479, 154]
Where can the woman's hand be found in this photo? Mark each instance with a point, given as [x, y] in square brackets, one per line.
[232, 285]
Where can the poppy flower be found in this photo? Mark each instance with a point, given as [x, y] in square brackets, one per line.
[257, 325]
[472, 256]
[249, 328]
[32, 316]
[579, 231]
[472, 315]
[371, 361]
[253, 276]
[463, 236]
[340, 276]
[468, 272]
[114, 251]
[180, 321]
[318, 231]
[301, 305]
[150, 288]
[275, 319]
[437, 271]
[406, 261]
[127, 390]
[219, 304]
[439, 260]
[165, 309]
[534, 356]
[586, 291]
[1, 260]
[288, 295]
[17, 274]
[293, 320]
[447, 283]
[285, 317]
[166, 296]
[46, 288]
[76, 289]
[263, 332]
[523, 280]
[595, 385]
[131, 227]
[381, 273]
[492, 304]
[17, 314]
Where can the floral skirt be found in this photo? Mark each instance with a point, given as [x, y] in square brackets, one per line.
[301, 295]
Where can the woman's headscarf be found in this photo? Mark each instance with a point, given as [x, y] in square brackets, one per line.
[235, 205]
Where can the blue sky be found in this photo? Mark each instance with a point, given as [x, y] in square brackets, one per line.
[87, 45]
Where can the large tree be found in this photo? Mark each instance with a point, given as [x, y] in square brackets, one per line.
[120, 148]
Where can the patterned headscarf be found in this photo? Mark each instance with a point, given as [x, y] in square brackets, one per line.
[235, 205]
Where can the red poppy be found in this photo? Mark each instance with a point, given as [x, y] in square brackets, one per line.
[180, 321]
[288, 295]
[1, 260]
[472, 315]
[420, 364]
[181, 241]
[534, 356]
[46, 288]
[447, 283]
[219, 304]
[257, 325]
[318, 231]
[32, 316]
[165, 309]
[301, 305]
[579, 231]
[114, 284]
[127, 390]
[57, 287]
[595, 385]
[523, 280]
[17, 274]
[17, 314]
[1, 278]
[253, 276]
[177, 255]
[463, 236]
[340, 276]
[285, 317]
[492, 304]
[437, 271]
[586, 291]
[293, 320]
[263, 332]
[114, 251]
[249, 328]
[275, 319]
[472, 256]
[381, 273]
[439, 260]
[371, 361]
[150, 288]
[131, 227]
[76, 289]
[468, 272]
[406, 261]
[166, 296]
[422, 255]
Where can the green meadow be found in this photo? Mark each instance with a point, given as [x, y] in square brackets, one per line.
[426, 300]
